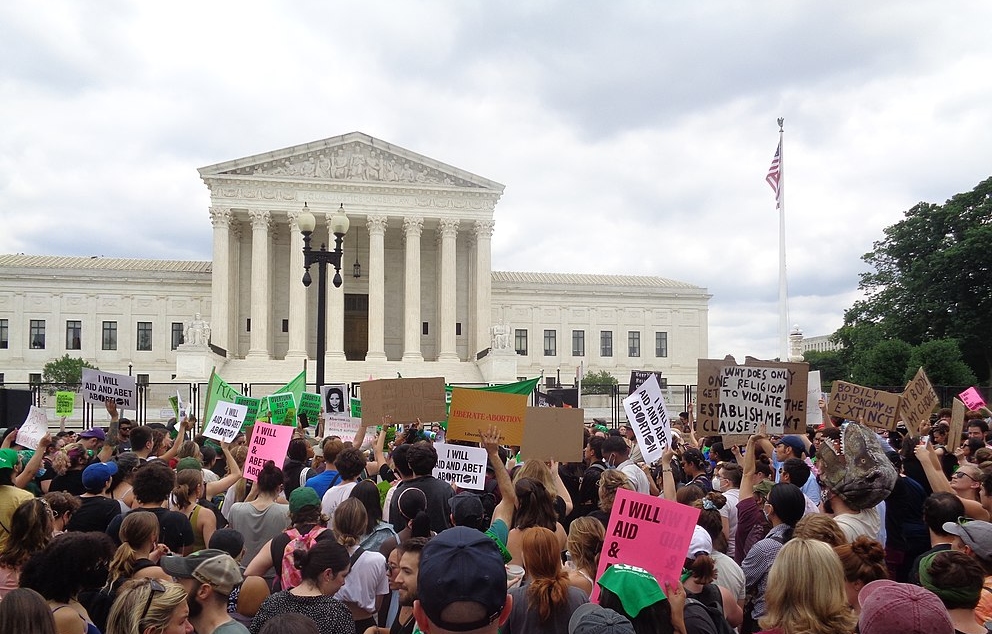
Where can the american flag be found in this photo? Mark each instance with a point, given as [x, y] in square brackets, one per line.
[775, 174]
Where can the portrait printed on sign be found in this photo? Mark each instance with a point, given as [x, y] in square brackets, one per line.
[335, 397]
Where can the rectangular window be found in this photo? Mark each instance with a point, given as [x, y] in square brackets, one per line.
[633, 343]
[34, 378]
[73, 335]
[1, 378]
[458, 329]
[425, 328]
[606, 343]
[144, 335]
[37, 333]
[248, 325]
[4, 334]
[661, 344]
[578, 343]
[142, 379]
[177, 334]
[110, 335]
[550, 343]
[285, 325]
[520, 341]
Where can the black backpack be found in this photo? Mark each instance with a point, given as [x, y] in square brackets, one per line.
[711, 599]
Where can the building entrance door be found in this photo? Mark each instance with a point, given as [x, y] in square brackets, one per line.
[356, 326]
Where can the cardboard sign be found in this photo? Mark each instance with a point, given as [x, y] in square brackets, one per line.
[282, 407]
[638, 377]
[734, 400]
[253, 405]
[334, 398]
[310, 405]
[65, 404]
[918, 400]
[33, 428]
[957, 423]
[865, 405]
[553, 433]
[472, 410]
[795, 392]
[463, 466]
[649, 532]
[341, 425]
[405, 400]
[99, 386]
[268, 442]
[226, 422]
[814, 417]
[648, 417]
[972, 399]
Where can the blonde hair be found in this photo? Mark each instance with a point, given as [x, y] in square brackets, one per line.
[537, 470]
[609, 482]
[585, 541]
[136, 530]
[820, 527]
[128, 616]
[803, 603]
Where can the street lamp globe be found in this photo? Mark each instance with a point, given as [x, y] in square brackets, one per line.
[340, 222]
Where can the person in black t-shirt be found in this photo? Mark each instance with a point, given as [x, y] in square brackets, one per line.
[153, 481]
[96, 510]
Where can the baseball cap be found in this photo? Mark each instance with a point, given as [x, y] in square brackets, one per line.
[302, 496]
[888, 607]
[592, 618]
[764, 487]
[635, 587]
[466, 508]
[701, 542]
[461, 564]
[792, 441]
[211, 566]
[8, 458]
[97, 474]
[976, 534]
[189, 462]
[96, 432]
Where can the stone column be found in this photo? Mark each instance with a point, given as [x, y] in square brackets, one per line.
[377, 288]
[260, 295]
[234, 318]
[297, 292]
[413, 226]
[335, 304]
[220, 276]
[448, 231]
[482, 283]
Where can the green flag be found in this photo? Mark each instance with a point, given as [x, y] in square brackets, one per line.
[217, 390]
[295, 387]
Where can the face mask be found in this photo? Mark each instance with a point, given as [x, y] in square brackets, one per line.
[716, 483]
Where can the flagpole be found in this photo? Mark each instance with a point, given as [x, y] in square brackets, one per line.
[783, 287]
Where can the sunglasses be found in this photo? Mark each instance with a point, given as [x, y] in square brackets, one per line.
[156, 586]
[961, 474]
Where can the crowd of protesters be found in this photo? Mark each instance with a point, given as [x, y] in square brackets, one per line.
[151, 529]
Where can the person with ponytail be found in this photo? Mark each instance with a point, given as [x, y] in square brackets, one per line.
[323, 569]
[189, 489]
[584, 543]
[139, 553]
[366, 584]
[547, 600]
[412, 506]
[863, 561]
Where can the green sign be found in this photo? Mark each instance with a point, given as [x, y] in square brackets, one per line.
[65, 403]
[282, 407]
[252, 404]
[310, 405]
[356, 408]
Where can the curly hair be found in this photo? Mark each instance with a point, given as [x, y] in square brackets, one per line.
[76, 556]
[62, 503]
[30, 532]
[863, 560]
[350, 463]
[153, 481]
[609, 482]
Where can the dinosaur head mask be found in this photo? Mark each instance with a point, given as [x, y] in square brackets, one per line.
[860, 473]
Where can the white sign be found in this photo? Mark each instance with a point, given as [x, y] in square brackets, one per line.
[343, 425]
[814, 416]
[226, 422]
[750, 396]
[334, 398]
[34, 427]
[647, 415]
[464, 466]
[100, 386]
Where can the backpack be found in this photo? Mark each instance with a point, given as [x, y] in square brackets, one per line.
[488, 498]
[715, 613]
[289, 575]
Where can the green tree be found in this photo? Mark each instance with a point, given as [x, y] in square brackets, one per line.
[831, 365]
[601, 382]
[931, 278]
[884, 364]
[942, 361]
[65, 373]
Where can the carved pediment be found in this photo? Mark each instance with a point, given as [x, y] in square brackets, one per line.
[352, 157]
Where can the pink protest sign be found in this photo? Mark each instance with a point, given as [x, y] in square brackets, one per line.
[972, 399]
[648, 532]
[268, 442]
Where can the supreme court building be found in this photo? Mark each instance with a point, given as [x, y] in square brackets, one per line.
[419, 296]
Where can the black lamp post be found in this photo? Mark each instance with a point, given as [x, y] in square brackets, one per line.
[323, 257]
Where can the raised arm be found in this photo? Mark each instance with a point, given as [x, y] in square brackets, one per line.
[560, 485]
[508, 503]
[747, 463]
[667, 477]
[225, 483]
[31, 468]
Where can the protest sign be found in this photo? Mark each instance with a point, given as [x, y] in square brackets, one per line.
[918, 401]
[226, 422]
[342, 425]
[638, 377]
[814, 416]
[268, 442]
[334, 398]
[472, 410]
[797, 381]
[553, 433]
[33, 428]
[65, 404]
[253, 405]
[649, 532]
[279, 406]
[863, 404]
[972, 399]
[310, 405]
[99, 386]
[404, 400]
[356, 407]
[734, 400]
[648, 417]
[957, 423]
[463, 466]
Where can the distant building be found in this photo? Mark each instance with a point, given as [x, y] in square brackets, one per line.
[820, 343]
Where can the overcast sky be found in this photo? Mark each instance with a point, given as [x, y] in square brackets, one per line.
[632, 137]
